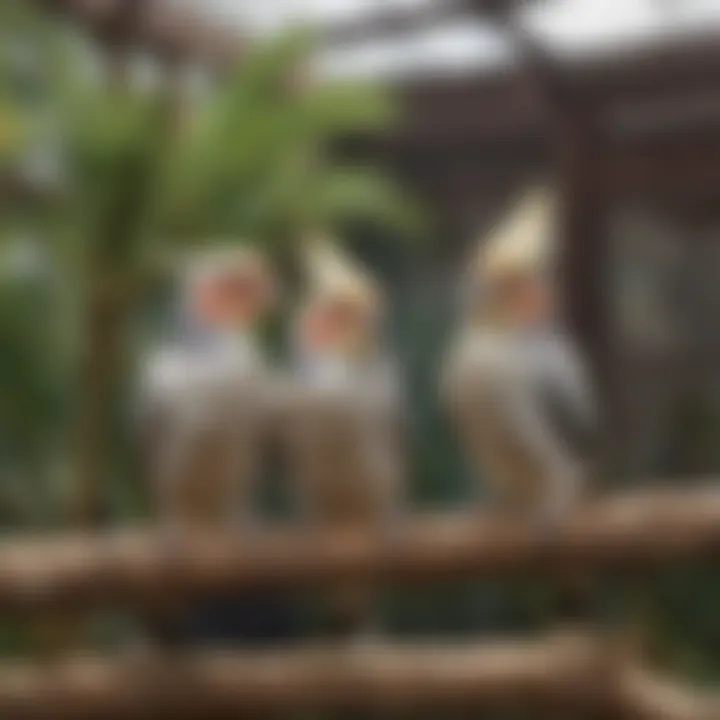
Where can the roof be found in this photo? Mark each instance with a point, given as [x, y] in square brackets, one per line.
[464, 43]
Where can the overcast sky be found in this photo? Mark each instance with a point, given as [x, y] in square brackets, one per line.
[567, 25]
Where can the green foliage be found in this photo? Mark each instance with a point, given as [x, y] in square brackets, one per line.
[139, 175]
[33, 368]
[253, 161]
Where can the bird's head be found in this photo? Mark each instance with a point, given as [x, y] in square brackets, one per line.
[230, 290]
[509, 280]
[343, 310]
[338, 326]
[513, 300]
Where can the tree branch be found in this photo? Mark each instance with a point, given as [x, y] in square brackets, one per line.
[136, 567]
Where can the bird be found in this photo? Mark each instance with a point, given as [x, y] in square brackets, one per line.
[204, 398]
[346, 420]
[515, 383]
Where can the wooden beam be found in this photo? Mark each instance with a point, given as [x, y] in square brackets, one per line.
[473, 105]
[666, 170]
[559, 673]
[170, 33]
[578, 140]
[136, 567]
[585, 251]
[186, 31]
[664, 64]
[493, 108]
[392, 22]
[190, 33]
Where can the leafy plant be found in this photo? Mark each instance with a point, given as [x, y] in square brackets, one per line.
[144, 173]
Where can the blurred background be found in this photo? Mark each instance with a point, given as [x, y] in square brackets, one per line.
[132, 132]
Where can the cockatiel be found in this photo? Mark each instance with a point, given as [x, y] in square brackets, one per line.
[205, 400]
[206, 394]
[345, 421]
[514, 382]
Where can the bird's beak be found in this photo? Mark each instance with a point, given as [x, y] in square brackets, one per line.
[334, 327]
[237, 300]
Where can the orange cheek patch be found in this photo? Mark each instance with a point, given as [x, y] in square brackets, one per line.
[234, 300]
[319, 330]
[331, 325]
[214, 305]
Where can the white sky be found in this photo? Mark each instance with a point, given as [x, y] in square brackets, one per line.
[568, 26]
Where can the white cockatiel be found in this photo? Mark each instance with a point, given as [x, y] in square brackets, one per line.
[205, 395]
[345, 422]
[514, 382]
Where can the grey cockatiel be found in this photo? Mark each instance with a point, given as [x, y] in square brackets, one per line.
[205, 399]
[345, 419]
[518, 391]
[514, 382]
[206, 394]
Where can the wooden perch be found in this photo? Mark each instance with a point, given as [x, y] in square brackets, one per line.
[624, 532]
[650, 697]
[559, 673]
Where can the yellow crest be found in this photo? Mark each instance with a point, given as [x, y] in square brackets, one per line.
[332, 274]
[523, 242]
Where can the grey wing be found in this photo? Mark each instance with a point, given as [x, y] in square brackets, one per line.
[551, 409]
[569, 400]
[521, 391]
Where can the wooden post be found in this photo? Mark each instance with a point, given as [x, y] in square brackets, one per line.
[584, 280]
[584, 255]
